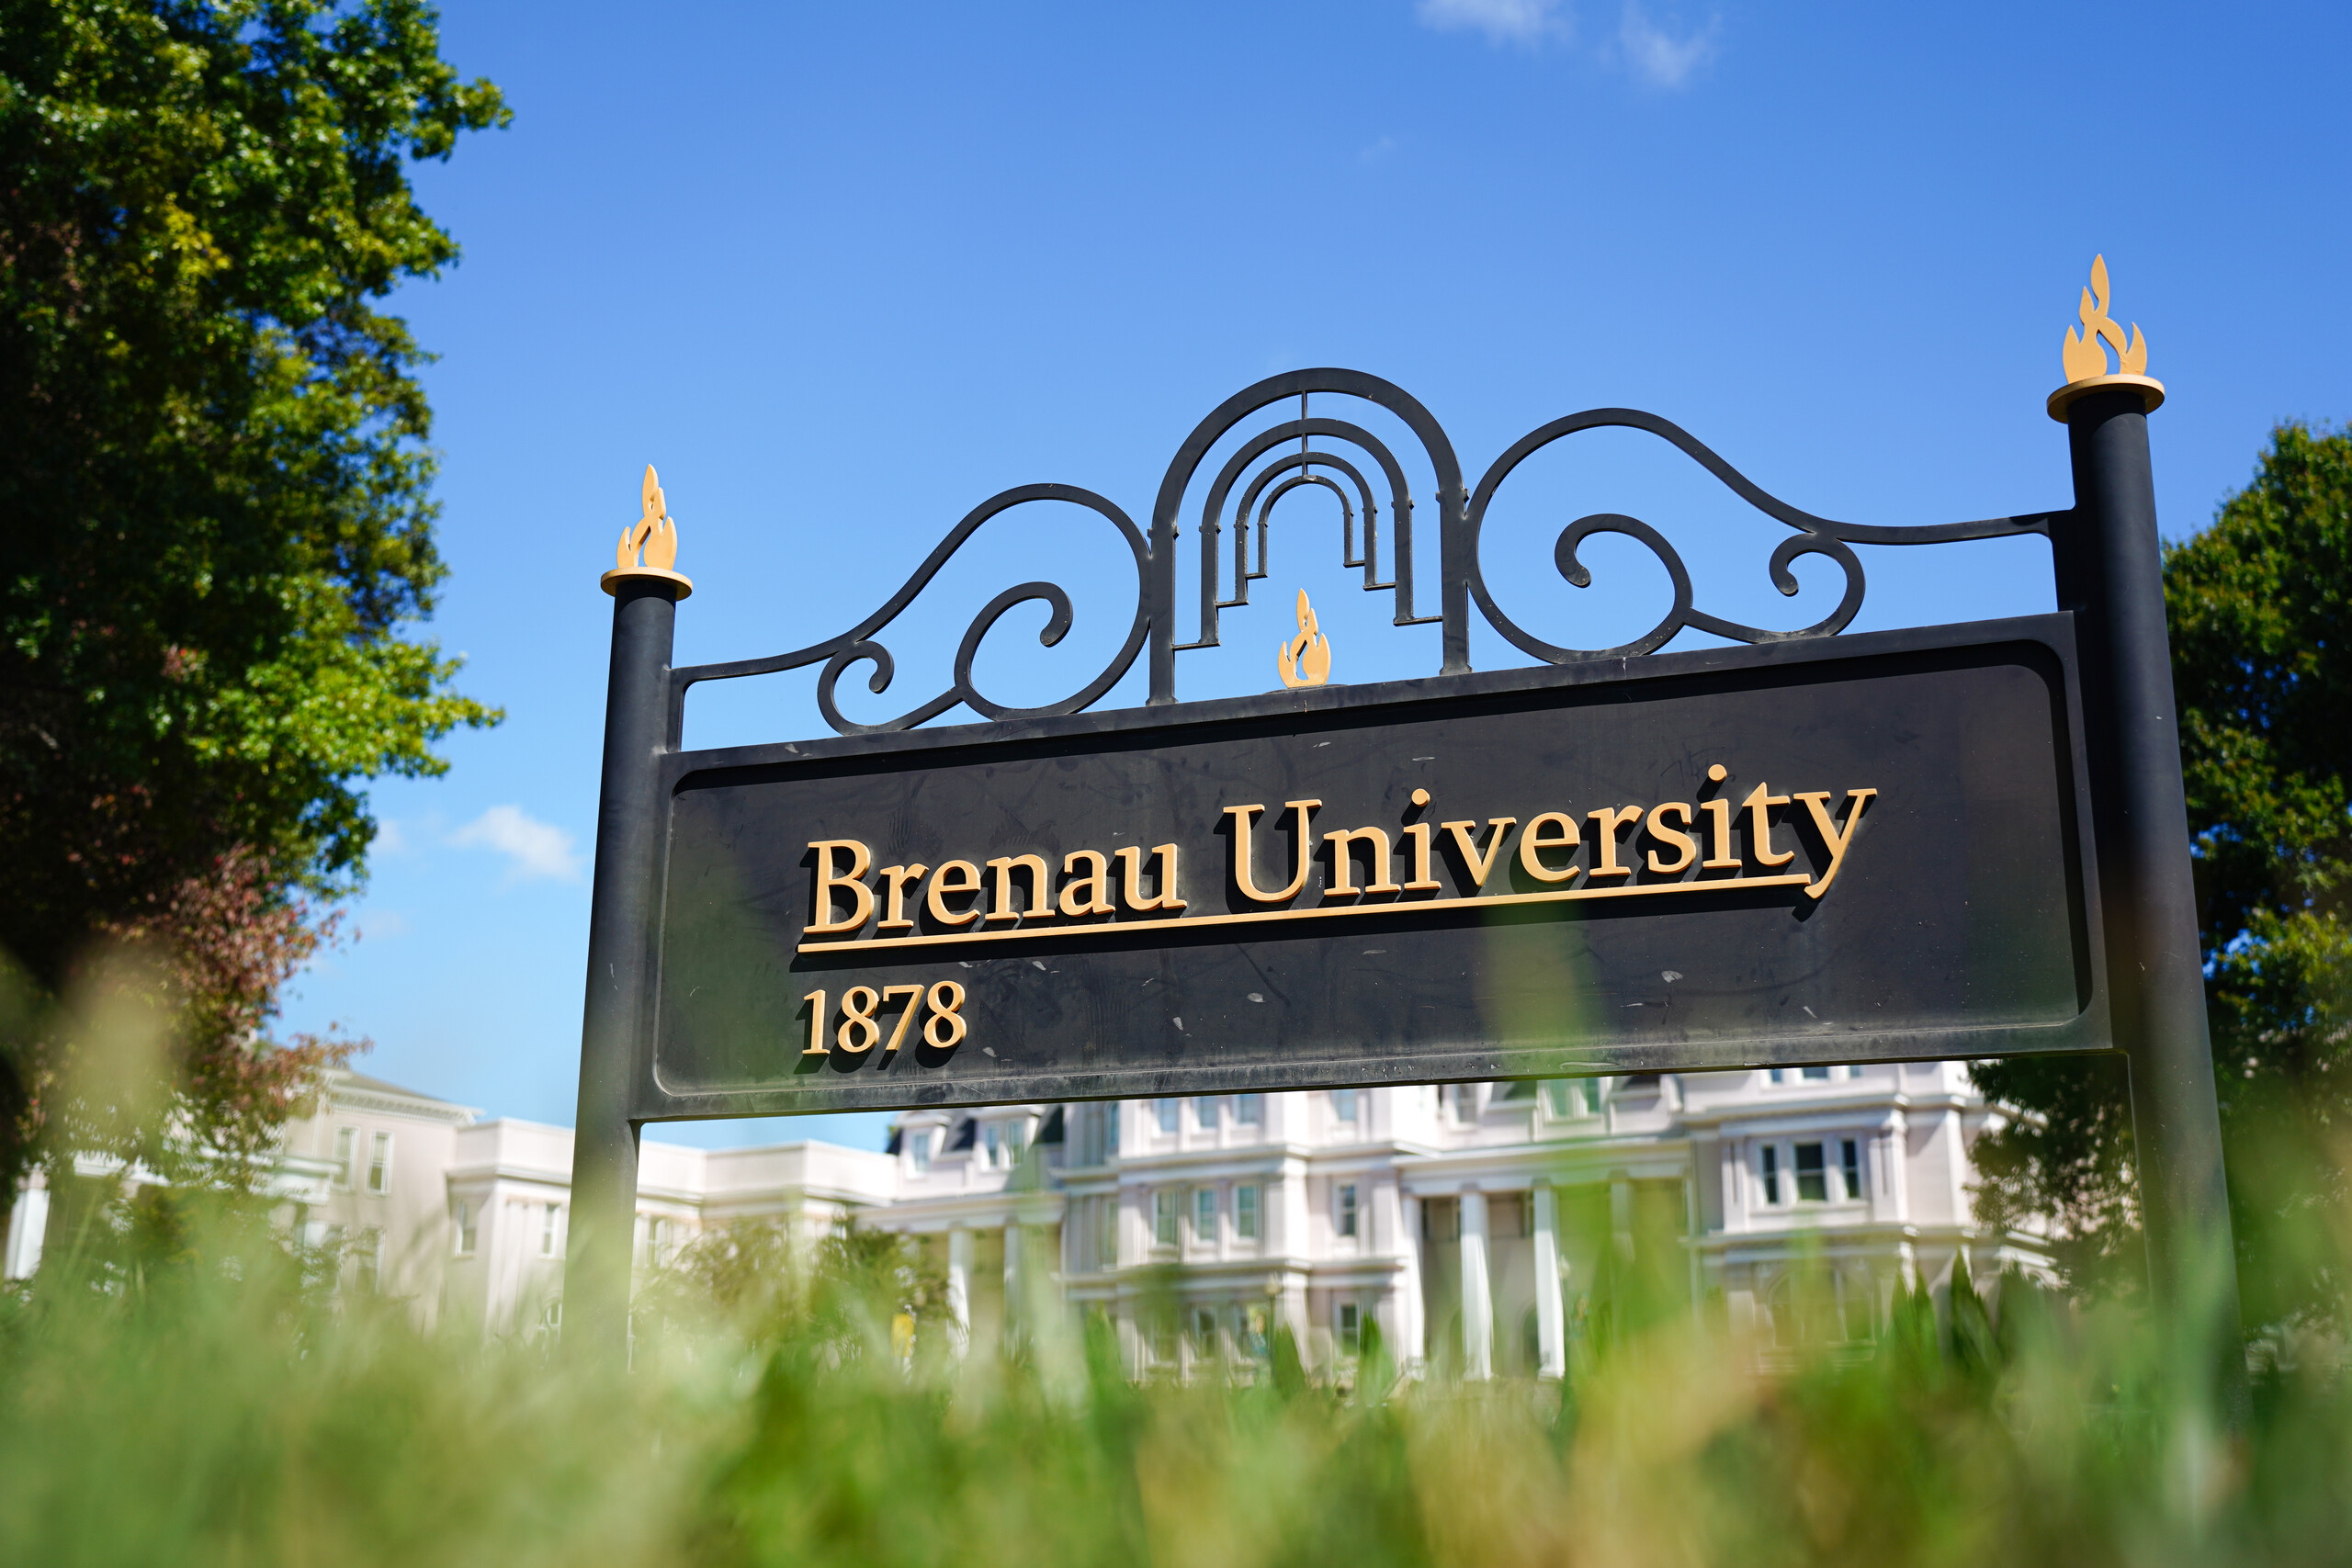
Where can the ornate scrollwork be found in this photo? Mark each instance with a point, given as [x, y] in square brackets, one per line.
[857, 646]
[1242, 496]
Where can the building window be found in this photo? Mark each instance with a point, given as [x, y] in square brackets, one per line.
[368, 1255]
[1816, 1309]
[379, 1164]
[1205, 1111]
[1344, 1205]
[550, 1218]
[1249, 1109]
[1573, 1097]
[1162, 1342]
[1351, 1329]
[1465, 1103]
[1205, 1216]
[1772, 1174]
[1167, 1109]
[1851, 1166]
[1343, 1104]
[1204, 1332]
[1818, 1075]
[991, 1145]
[1163, 1217]
[1245, 1212]
[347, 1150]
[469, 1228]
[1254, 1342]
[659, 1238]
[1813, 1179]
[919, 1149]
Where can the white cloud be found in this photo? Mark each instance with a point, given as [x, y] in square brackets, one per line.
[1657, 56]
[391, 839]
[1503, 21]
[533, 849]
[380, 925]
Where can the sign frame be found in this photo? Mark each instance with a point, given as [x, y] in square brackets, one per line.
[2107, 561]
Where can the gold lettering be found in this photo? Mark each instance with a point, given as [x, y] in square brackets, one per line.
[1041, 893]
[966, 879]
[1131, 877]
[816, 1046]
[1540, 837]
[1422, 881]
[829, 880]
[1605, 823]
[1723, 859]
[1344, 867]
[1089, 894]
[1241, 867]
[906, 1014]
[1466, 839]
[895, 879]
[1760, 827]
[1664, 834]
[1817, 802]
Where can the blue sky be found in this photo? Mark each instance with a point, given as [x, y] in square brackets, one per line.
[843, 272]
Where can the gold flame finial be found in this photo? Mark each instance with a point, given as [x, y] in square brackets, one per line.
[1305, 659]
[654, 534]
[2085, 355]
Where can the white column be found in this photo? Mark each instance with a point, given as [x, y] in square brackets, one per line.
[960, 1287]
[1412, 1340]
[28, 1227]
[1012, 1277]
[1551, 1323]
[1621, 1215]
[1477, 1301]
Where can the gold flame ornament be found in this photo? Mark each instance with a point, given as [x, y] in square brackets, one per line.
[2085, 356]
[655, 535]
[1305, 659]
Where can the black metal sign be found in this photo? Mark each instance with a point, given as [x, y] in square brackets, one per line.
[1809, 852]
[1963, 842]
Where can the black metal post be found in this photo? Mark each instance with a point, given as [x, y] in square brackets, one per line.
[612, 1044]
[2110, 574]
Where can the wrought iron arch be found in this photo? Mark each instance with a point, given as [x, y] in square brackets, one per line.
[1461, 518]
[1212, 508]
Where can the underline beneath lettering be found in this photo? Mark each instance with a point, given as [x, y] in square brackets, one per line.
[1565, 895]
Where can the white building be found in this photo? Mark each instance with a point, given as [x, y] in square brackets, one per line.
[1480, 1226]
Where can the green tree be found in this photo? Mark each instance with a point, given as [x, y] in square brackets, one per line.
[213, 461]
[2260, 609]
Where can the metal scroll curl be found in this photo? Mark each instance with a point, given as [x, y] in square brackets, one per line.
[858, 645]
[1815, 537]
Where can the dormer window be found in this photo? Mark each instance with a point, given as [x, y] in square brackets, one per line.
[919, 1149]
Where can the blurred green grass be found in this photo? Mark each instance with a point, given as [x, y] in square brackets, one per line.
[185, 1389]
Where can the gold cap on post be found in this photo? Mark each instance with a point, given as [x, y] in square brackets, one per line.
[2085, 356]
[657, 537]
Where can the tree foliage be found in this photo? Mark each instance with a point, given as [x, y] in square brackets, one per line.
[2260, 611]
[213, 461]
